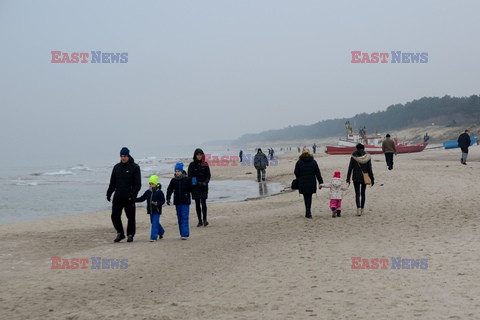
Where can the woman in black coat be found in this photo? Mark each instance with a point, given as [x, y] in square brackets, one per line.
[306, 171]
[199, 172]
[360, 162]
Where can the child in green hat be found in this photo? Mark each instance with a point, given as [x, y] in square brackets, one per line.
[155, 200]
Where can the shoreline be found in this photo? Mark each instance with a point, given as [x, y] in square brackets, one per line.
[262, 258]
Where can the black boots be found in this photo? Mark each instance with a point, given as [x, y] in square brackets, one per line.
[200, 223]
[119, 237]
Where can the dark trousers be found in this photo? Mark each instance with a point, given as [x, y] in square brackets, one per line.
[307, 198]
[201, 209]
[464, 155]
[118, 205]
[260, 174]
[389, 160]
[359, 193]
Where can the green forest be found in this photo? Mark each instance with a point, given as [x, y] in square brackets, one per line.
[448, 110]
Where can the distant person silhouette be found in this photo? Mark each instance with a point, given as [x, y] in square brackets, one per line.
[389, 149]
[464, 142]
[260, 162]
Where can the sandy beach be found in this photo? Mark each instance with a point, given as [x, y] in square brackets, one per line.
[261, 259]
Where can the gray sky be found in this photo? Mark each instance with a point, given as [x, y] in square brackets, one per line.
[208, 70]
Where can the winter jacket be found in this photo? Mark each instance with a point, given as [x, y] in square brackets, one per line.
[156, 196]
[388, 146]
[306, 170]
[260, 161]
[336, 188]
[200, 170]
[125, 180]
[181, 187]
[360, 162]
[464, 142]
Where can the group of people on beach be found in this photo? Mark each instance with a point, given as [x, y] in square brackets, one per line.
[125, 184]
[307, 174]
[359, 171]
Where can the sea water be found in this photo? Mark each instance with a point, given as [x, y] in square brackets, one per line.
[38, 192]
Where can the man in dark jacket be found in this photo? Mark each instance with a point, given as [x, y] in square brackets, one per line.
[199, 173]
[126, 182]
[389, 149]
[307, 172]
[260, 161]
[464, 142]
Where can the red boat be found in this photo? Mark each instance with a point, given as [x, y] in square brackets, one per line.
[373, 144]
[401, 148]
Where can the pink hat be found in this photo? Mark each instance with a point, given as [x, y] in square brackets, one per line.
[336, 174]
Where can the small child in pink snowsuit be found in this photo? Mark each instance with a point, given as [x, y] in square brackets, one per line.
[336, 192]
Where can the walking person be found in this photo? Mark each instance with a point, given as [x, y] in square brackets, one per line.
[360, 162]
[260, 161]
[155, 200]
[336, 194]
[464, 142]
[199, 173]
[126, 182]
[307, 173]
[389, 149]
[240, 155]
[181, 187]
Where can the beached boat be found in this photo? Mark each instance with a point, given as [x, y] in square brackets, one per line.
[373, 144]
[401, 148]
[451, 144]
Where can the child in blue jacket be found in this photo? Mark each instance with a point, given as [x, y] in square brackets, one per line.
[155, 200]
[181, 187]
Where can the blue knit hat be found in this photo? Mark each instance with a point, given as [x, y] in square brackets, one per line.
[179, 166]
[125, 152]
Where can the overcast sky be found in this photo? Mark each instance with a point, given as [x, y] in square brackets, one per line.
[209, 70]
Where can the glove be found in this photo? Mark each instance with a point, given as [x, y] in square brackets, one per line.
[168, 202]
[109, 198]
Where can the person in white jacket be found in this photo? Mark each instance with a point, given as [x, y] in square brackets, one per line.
[336, 192]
